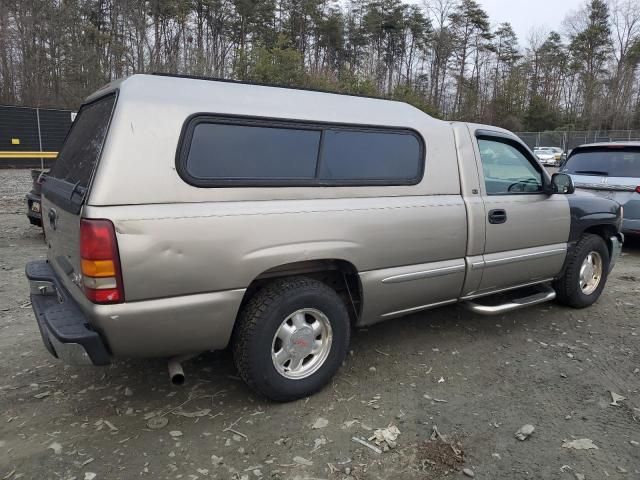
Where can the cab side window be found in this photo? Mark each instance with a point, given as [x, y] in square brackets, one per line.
[507, 171]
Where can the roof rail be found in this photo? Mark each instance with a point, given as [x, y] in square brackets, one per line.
[259, 84]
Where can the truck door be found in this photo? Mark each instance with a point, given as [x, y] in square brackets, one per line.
[526, 229]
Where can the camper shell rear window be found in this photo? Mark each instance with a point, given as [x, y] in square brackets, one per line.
[68, 182]
[81, 149]
[231, 151]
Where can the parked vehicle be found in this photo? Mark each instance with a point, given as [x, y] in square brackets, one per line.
[277, 219]
[559, 152]
[612, 171]
[33, 198]
[546, 155]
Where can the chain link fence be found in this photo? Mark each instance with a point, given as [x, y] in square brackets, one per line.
[568, 140]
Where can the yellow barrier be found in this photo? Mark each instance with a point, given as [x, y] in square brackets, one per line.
[4, 154]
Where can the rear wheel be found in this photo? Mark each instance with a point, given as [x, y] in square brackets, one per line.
[291, 338]
[586, 273]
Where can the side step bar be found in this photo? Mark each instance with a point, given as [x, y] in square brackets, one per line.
[546, 295]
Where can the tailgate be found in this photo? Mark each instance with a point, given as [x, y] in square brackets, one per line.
[66, 187]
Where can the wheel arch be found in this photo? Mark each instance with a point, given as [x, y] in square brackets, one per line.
[595, 215]
[605, 231]
[602, 230]
[339, 274]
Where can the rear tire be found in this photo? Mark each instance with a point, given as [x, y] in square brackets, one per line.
[291, 338]
[586, 273]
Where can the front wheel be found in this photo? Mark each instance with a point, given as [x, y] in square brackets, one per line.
[291, 338]
[586, 273]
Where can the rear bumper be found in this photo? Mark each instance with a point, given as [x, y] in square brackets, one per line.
[65, 331]
[78, 331]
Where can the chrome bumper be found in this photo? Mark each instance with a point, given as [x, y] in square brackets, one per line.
[616, 242]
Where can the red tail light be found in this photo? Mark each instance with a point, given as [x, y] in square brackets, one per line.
[101, 274]
[638, 189]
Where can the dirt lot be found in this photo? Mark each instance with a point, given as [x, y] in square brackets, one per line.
[474, 379]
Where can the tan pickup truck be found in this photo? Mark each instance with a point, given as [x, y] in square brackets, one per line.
[187, 214]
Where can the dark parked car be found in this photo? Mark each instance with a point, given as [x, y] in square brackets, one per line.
[612, 171]
[33, 198]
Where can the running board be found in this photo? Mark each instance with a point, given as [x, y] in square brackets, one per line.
[546, 295]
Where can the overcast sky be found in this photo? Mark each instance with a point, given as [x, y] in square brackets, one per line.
[527, 14]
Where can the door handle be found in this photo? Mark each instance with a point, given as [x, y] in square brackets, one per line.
[498, 215]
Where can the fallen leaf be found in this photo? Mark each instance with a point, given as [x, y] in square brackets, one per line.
[156, 423]
[524, 432]
[615, 398]
[320, 423]
[318, 442]
[56, 447]
[111, 426]
[349, 423]
[580, 444]
[387, 435]
[198, 413]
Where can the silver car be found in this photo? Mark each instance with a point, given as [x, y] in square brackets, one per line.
[610, 170]
[546, 155]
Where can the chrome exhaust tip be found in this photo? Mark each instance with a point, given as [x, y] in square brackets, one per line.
[176, 373]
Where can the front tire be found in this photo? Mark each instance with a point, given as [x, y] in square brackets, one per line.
[586, 273]
[291, 338]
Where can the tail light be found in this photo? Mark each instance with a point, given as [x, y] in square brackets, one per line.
[101, 274]
[638, 189]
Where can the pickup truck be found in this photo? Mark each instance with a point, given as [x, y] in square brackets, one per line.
[190, 214]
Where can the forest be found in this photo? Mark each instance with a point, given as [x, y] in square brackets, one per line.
[445, 57]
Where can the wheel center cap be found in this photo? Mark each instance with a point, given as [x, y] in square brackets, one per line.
[301, 342]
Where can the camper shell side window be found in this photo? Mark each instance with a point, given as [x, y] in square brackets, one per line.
[219, 151]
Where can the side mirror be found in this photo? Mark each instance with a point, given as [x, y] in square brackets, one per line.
[562, 183]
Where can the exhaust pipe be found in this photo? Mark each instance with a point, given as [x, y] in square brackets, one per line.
[176, 374]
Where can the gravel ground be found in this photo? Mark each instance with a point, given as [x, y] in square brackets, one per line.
[473, 380]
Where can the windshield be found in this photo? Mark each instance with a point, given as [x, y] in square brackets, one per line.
[81, 150]
[618, 162]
